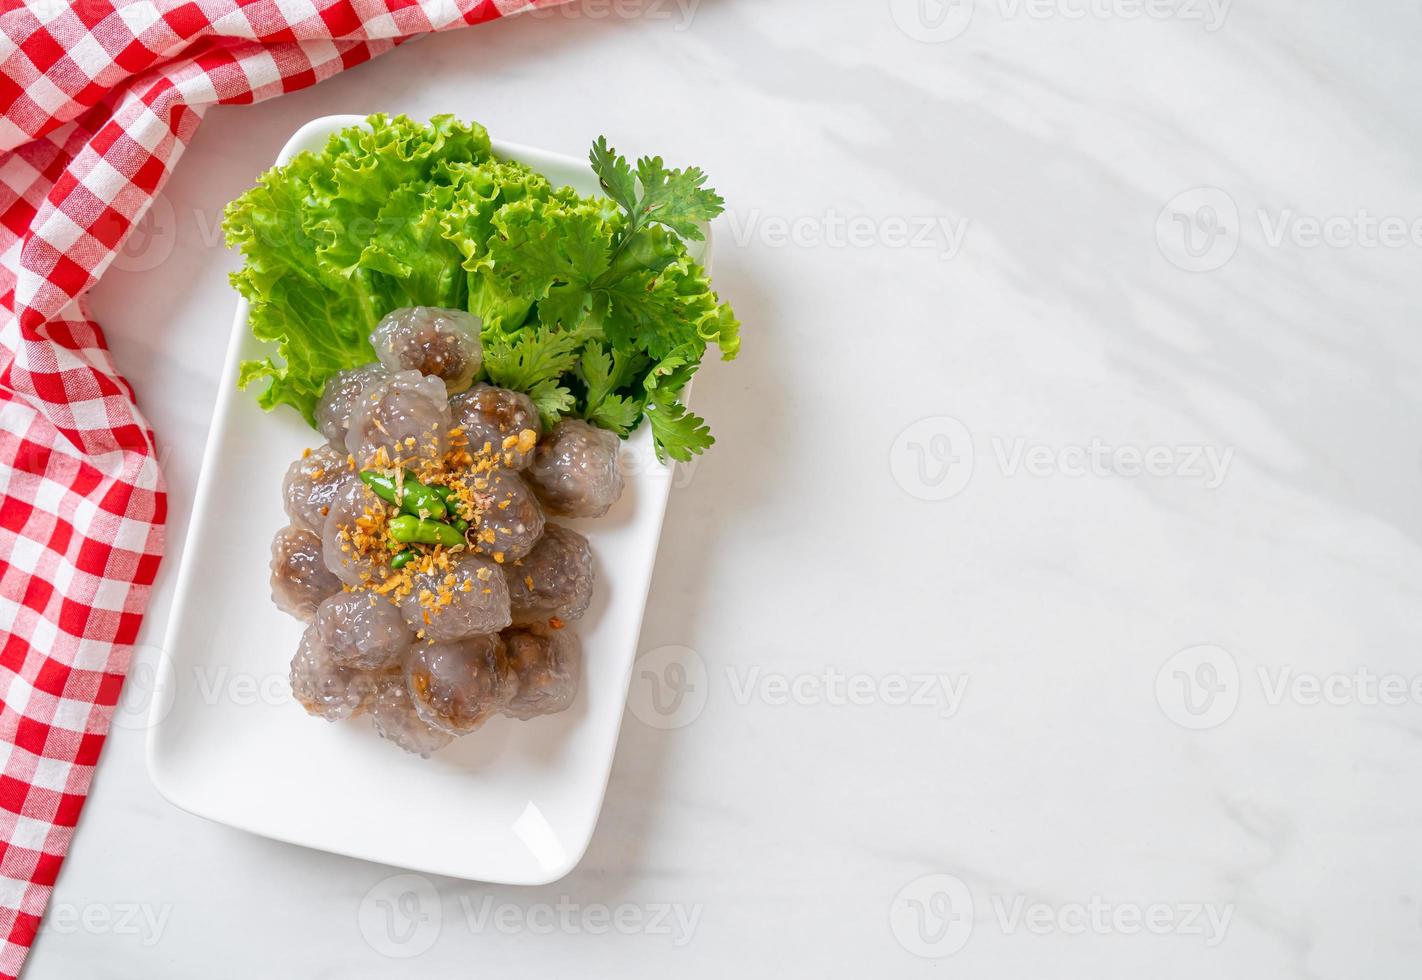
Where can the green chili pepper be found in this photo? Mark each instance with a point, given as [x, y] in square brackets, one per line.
[413, 497]
[460, 524]
[412, 530]
[403, 558]
[442, 491]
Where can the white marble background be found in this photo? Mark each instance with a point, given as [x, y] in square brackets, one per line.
[1078, 797]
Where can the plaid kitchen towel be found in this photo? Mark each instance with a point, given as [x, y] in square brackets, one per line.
[99, 99]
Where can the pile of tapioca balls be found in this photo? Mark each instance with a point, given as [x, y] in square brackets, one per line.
[420, 552]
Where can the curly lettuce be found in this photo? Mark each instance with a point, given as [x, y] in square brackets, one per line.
[591, 305]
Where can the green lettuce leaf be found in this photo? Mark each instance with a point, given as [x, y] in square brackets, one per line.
[591, 305]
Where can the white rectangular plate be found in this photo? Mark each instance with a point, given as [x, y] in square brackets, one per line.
[516, 802]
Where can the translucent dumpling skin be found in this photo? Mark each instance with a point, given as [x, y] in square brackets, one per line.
[470, 597]
[554, 581]
[456, 686]
[339, 398]
[510, 520]
[340, 554]
[504, 421]
[575, 470]
[312, 484]
[547, 664]
[325, 688]
[363, 630]
[394, 716]
[437, 342]
[407, 415]
[300, 579]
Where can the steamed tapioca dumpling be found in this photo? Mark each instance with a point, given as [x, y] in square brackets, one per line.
[547, 664]
[456, 686]
[469, 596]
[312, 484]
[575, 470]
[433, 341]
[325, 688]
[504, 421]
[509, 520]
[555, 580]
[407, 415]
[363, 630]
[352, 514]
[300, 579]
[339, 397]
[393, 713]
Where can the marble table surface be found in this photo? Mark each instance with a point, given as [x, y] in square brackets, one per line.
[1047, 595]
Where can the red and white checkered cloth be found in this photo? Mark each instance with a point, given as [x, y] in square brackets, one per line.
[99, 100]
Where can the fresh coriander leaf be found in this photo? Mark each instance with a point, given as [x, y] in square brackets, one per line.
[552, 400]
[534, 357]
[614, 174]
[618, 413]
[676, 432]
[677, 198]
[602, 373]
